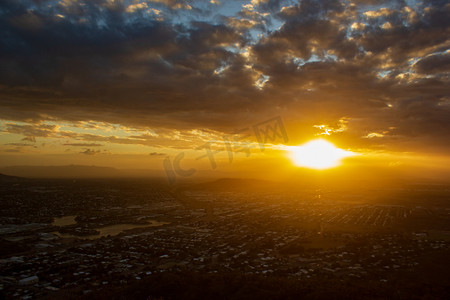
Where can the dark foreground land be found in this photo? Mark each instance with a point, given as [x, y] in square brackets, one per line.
[232, 239]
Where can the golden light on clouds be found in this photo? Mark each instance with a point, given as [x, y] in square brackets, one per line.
[318, 154]
[161, 77]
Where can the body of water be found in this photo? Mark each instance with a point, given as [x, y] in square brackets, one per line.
[64, 221]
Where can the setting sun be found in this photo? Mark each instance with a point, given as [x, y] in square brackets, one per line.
[318, 154]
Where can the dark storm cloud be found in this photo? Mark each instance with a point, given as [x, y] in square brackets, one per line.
[439, 63]
[141, 64]
[98, 58]
[401, 42]
[350, 82]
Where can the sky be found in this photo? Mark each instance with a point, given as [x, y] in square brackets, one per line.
[223, 85]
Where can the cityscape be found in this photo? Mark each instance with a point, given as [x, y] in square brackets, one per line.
[94, 237]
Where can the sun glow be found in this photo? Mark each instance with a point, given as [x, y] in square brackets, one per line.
[318, 154]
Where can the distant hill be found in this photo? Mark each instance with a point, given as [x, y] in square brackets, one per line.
[7, 178]
[71, 171]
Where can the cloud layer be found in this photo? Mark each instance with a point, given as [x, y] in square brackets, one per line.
[177, 66]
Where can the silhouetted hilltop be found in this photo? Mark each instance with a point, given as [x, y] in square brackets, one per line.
[7, 178]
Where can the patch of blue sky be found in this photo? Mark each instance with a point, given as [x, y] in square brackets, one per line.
[201, 11]
[384, 73]
[314, 58]
[230, 8]
[300, 61]
[233, 48]
[412, 61]
[276, 23]
[261, 82]
[221, 69]
[330, 57]
[413, 3]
